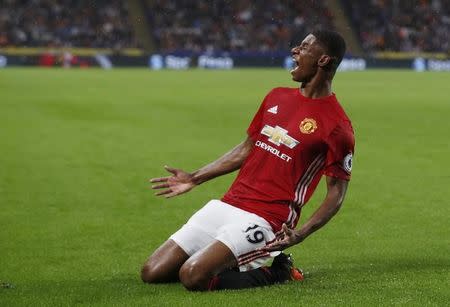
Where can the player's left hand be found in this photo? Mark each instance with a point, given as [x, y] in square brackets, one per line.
[180, 182]
[290, 238]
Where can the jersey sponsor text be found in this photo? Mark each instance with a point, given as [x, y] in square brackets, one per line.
[273, 151]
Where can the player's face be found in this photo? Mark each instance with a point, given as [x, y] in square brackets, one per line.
[306, 57]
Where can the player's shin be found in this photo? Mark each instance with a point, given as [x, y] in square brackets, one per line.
[241, 280]
[280, 271]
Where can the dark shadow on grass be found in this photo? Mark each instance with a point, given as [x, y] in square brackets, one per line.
[321, 280]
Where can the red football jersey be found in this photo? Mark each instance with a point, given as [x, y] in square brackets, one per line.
[297, 139]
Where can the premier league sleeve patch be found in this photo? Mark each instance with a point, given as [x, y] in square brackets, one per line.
[348, 163]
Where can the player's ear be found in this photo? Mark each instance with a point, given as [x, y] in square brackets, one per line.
[324, 60]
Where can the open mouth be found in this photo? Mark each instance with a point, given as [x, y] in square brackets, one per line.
[296, 66]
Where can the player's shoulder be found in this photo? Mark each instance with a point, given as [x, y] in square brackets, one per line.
[284, 90]
[281, 94]
[341, 119]
[339, 111]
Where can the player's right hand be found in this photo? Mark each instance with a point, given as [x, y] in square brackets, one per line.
[180, 182]
[290, 237]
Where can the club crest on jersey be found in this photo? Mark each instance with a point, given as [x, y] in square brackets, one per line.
[278, 136]
[308, 126]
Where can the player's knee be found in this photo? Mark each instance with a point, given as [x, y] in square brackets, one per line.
[150, 273]
[193, 277]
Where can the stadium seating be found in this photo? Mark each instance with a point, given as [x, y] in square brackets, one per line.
[65, 23]
[401, 25]
[249, 26]
[243, 26]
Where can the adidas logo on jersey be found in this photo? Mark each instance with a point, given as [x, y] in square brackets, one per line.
[273, 110]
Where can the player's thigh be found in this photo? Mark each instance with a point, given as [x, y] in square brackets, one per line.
[244, 233]
[164, 264]
[200, 268]
[236, 244]
[245, 237]
[201, 229]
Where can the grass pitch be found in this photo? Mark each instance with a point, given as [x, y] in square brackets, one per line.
[77, 219]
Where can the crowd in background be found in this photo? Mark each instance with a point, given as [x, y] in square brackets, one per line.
[402, 25]
[245, 25]
[80, 23]
[223, 25]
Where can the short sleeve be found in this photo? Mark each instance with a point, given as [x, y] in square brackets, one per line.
[255, 126]
[341, 147]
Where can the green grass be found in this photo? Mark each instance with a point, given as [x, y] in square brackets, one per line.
[77, 219]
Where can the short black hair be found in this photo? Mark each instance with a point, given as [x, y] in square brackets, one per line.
[333, 43]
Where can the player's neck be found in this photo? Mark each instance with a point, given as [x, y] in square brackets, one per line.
[316, 88]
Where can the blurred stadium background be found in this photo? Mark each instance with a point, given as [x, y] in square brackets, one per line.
[178, 34]
[77, 146]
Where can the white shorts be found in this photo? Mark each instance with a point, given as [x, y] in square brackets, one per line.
[241, 231]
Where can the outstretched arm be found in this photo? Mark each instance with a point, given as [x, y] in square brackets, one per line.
[336, 189]
[181, 182]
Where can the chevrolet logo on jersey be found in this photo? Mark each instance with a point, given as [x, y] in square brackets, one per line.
[279, 136]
